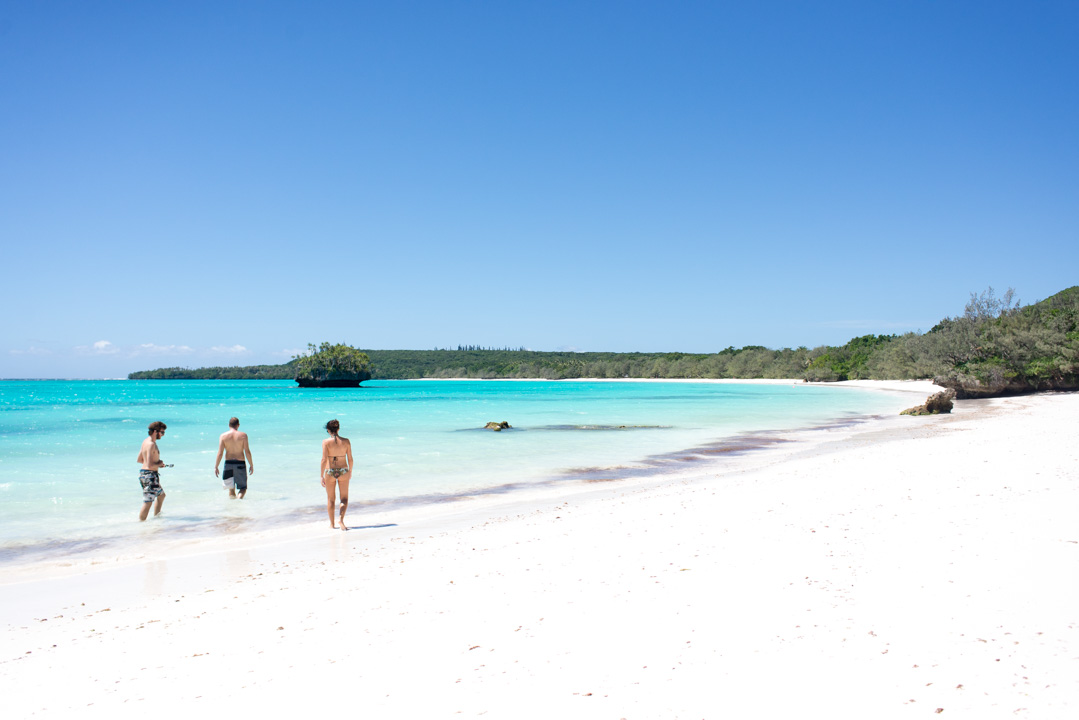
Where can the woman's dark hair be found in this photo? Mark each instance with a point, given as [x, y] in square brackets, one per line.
[333, 426]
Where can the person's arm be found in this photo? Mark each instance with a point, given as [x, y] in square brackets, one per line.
[323, 465]
[348, 456]
[247, 452]
[220, 452]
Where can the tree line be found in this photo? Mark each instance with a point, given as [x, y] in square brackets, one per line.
[995, 347]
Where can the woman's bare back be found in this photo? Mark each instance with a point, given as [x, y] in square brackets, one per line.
[336, 450]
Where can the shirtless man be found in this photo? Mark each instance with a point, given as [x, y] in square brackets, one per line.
[233, 446]
[150, 460]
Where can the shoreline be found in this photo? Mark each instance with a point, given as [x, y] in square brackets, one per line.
[41, 562]
[921, 563]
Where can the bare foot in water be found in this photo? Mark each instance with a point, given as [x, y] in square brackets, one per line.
[342, 521]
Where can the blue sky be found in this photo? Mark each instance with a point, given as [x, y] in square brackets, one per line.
[220, 183]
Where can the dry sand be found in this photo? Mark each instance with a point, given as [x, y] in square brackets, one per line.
[912, 567]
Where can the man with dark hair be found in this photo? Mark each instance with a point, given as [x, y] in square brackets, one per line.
[234, 447]
[150, 459]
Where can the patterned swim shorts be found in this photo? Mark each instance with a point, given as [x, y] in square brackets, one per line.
[151, 485]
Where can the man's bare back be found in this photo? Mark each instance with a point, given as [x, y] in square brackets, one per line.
[235, 443]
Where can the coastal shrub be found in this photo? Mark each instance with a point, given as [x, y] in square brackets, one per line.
[1000, 348]
[850, 362]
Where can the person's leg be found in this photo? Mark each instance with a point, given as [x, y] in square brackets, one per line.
[157, 505]
[343, 483]
[148, 484]
[228, 480]
[331, 497]
[241, 481]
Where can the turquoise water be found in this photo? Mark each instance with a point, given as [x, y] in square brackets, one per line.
[69, 480]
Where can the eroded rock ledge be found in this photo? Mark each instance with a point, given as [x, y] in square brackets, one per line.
[934, 404]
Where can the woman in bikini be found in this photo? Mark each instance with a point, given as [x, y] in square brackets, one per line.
[336, 469]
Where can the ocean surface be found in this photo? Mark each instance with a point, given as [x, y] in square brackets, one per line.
[69, 480]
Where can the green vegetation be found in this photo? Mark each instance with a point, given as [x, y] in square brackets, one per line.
[996, 347]
[999, 348]
[250, 372]
[749, 362]
[755, 362]
[850, 362]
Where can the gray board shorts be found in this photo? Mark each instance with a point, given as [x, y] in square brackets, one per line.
[235, 475]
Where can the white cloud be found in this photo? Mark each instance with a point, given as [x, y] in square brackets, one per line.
[101, 347]
[289, 353]
[152, 349]
[234, 350]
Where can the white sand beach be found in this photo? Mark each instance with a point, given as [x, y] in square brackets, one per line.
[910, 567]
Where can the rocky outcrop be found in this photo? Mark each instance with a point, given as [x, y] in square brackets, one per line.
[934, 404]
[996, 384]
[497, 426]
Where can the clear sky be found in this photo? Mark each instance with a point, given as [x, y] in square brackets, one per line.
[221, 183]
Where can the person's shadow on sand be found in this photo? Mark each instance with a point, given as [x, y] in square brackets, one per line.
[369, 527]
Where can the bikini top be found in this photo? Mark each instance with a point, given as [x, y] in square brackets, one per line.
[335, 457]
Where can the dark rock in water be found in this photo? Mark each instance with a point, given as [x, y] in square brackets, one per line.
[497, 426]
[335, 383]
[934, 405]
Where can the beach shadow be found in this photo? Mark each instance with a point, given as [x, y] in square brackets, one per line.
[371, 527]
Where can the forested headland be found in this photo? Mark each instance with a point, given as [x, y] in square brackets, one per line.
[995, 347]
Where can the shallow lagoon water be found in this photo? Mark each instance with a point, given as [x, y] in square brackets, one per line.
[69, 480]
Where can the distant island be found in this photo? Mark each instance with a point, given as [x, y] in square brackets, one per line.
[331, 366]
[997, 347]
